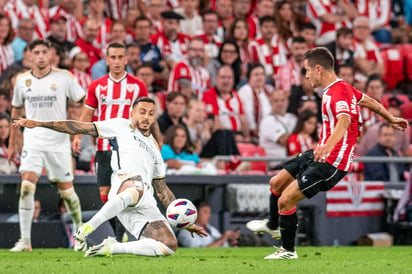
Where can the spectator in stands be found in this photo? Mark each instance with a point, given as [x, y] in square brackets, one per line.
[263, 8]
[58, 39]
[328, 16]
[275, 129]
[240, 9]
[192, 20]
[25, 33]
[6, 167]
[224, 12]
[171, 42]
[117, 33]
[374, 88]
[23, 9]
[96, 13]
[207, 34]
[288, 75]
[199, 126]
[288, 21]
[214, 238]
[6, 38]
[156, 7]
[308, 31]
[239, 32]
[175, 108]
[268, 49]
[177, 148]
[132, 13]
[5, 101]
[146, 73]
[341, 48]
[346, 72]
[149, 52]
[80, 66]
[379, 14]
[403, 139]
[384, 148]
[367, 57]
[192, 69]
[224, 103]
[86, 43]
[305, 136]
[68, 8]
[255, 98]
[229, 54]
[17, 66]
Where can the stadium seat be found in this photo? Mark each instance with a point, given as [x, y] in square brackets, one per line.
[402, 97]
[251, 151]
[408, 66]
[393, 62]
[407, 111]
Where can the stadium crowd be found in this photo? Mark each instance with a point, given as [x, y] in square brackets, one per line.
[227, 76]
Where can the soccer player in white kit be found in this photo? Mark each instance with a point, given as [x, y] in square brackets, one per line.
[42, 93]
[138, 172]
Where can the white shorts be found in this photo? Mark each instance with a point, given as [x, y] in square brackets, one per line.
[135, 218]
[58, 164]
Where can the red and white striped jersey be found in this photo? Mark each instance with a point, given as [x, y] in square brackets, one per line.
[16, 10]
[74, 29]
[378, 12]
[340, 98]
[228, 111]
[367, 50]
[326, 32]
[116, 9]
[199, 77]
[272, 57]
[113, 99]
[288, 75]
[297, 143]
[211, 47]
[103, 37]
[83, 78]
[175, 51]
[255, 27]
[6, 57]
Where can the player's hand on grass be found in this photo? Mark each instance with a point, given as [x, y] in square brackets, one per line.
[25, 123]
[199, 230]
[399, 123]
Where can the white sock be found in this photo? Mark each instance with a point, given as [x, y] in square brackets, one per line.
[26, 208]
[72, 203]
[111, 208]
[143, 247]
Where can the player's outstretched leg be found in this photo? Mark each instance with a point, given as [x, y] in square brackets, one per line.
[130, 196]
[26, 211]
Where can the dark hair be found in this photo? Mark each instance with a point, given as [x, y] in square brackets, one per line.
[302, 118]
[207, 12]
[307, 25]
[233, 26]
[5, 116]
[116, 23]
[382, 126]
[132, 45]
[173, 95]
[320, 56]
[298, 39]
[170, 135]
[142, 18]
[10, 36]
[115, 45]
[4, 92]
[38, 42]
[344, 66]
[145, 65]
[237, 64]
[343, 31]
[143, 99]
[373, 77]
[267, 18]
[253, 66]
[199, 203]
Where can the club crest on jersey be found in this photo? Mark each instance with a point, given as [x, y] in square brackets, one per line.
[53, 86]
[28, 83]
[130, 87]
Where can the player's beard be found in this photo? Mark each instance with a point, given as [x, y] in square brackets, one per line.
[144, 131]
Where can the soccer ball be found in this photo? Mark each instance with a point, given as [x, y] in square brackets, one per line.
[181, 213]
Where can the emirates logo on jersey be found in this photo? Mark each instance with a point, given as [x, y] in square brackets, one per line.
[109, 101]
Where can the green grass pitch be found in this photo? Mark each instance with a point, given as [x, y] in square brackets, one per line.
[358, 260]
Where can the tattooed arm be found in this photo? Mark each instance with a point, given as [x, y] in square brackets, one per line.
[69, 127]
[163, 192]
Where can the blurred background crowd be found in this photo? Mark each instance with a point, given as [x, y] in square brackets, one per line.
[227, 76]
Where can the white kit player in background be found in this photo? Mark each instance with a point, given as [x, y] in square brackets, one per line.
[138, 172]
[41, 94]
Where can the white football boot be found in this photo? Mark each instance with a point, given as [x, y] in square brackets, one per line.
[261, 226]
[80, 243]
[102, 249]
[22, 244]
[282, 254]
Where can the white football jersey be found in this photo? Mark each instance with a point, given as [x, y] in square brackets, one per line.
[46, 99]
[132, 152]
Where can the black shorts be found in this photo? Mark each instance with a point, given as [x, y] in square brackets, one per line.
[312, 176]
[103, 168]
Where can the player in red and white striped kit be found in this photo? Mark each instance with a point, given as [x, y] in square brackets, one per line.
[322, 168]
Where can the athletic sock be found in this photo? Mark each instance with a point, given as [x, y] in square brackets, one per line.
[288, 222]
[110, 209]
[143, 247]
[26, 208]
[273, 211]
[72, 203]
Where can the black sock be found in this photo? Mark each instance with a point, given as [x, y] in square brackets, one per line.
[273, 212]
[288, 226]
